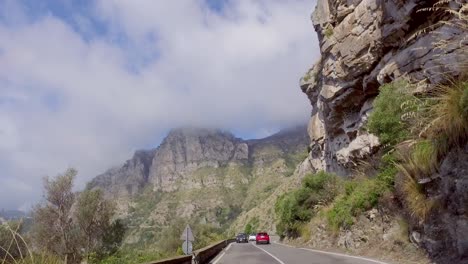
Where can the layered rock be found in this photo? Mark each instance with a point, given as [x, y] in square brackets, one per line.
[364, 44]
[184, 151]
[445, 233]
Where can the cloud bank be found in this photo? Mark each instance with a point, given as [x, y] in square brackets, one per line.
[86, 85]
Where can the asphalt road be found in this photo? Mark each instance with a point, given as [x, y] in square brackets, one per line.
[249, 253]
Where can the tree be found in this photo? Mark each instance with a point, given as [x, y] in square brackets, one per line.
[93, 215]
[248, 228]
[73, 226]
[112, 238]
[54, 230]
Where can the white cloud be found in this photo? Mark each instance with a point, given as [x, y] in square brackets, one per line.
[67, 101]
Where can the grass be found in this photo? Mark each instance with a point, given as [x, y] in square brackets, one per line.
[424, 154]
[415, 198]
[446, 127]
[448, 117]
[14, 248]
[305, 231]
[412, 191]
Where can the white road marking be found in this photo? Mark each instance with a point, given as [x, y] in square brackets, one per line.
[222, 254]
[271, 255]
[344, 255]
[336, 254]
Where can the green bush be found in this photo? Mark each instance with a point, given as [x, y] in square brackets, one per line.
[385, 119]
[252, 226]
[295, 208]
[364, 196]
[360, 195]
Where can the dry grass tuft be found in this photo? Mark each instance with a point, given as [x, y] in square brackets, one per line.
[19, 252]
[448, 116]
[416, 200]
[411, 178]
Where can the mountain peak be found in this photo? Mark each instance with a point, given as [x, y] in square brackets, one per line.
[188, 149]
[197, 132]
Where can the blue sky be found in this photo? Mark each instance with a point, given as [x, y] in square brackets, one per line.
[86, 83]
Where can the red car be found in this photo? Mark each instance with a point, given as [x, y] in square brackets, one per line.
[262, 237]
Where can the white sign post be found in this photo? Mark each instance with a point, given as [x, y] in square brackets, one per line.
[187, 236]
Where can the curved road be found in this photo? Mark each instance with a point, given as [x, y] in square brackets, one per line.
[249, 253]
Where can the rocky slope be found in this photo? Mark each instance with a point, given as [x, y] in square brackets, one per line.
[367, 43]
[200, 175]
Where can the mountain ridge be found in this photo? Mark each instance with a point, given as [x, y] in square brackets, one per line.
[187, 148]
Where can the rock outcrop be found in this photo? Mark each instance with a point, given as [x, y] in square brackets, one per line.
[171, 166]
[445, 234]
[364, 44]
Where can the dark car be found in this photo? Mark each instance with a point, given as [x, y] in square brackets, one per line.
[263, 237]
[242, 238]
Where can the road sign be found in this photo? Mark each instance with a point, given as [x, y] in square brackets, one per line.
[187, 247]
[187, 235]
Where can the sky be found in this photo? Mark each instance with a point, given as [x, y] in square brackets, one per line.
[85, 83]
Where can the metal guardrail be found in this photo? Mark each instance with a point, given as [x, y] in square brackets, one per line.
[201, 256]
[174, 260]
[206, 254]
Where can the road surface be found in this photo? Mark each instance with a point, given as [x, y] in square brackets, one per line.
[249, 253]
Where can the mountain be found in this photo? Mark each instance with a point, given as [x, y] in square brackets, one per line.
[12, 214]
[200, 175]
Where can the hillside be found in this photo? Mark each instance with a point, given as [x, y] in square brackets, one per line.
[203, 176]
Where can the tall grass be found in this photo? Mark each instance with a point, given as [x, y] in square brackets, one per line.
[18, 250]
[448, 116]
[411, 184]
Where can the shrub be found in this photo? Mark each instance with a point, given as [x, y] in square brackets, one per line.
[385, 119]
[360, 195]
[328, 32]
[297, 207]
[252, 226]
[364, 196]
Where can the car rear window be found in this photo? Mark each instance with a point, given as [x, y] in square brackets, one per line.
[262, 234]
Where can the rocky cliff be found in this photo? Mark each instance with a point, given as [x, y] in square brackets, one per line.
[200, 175]
[171, 166]
[364, 44]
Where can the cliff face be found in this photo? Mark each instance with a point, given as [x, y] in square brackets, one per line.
[367, 43]
[184, 151]
[364, 44]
